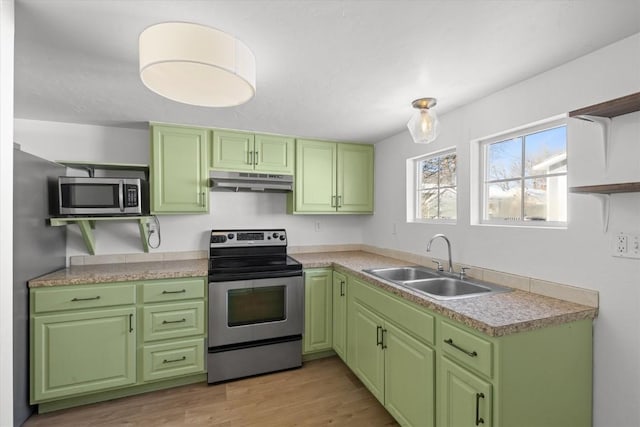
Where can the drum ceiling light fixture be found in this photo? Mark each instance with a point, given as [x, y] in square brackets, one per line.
[424, 124]
[197, 65]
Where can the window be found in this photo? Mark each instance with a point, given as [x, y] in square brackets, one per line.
[435, 187]
[525, 177]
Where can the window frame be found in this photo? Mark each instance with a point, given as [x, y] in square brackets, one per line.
[416, 190]
[521, 132]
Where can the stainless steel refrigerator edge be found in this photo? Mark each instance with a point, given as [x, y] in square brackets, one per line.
[37, 249]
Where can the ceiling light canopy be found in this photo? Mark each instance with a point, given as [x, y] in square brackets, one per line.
[424, 124]
[197, 65]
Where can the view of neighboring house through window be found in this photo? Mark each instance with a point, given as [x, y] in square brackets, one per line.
[525, 177]
[435, 197]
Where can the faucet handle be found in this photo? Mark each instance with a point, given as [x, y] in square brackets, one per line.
[462, 272]
[439, 264]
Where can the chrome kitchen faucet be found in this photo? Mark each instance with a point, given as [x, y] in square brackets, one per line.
[448, 248]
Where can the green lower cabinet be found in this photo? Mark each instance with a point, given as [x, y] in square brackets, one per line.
[366, 356]
[409, 378]
[396, 368]
[465, 400]
[168, 360]
[318, 329]
[96, 342]
[82, 352]
[340, 315]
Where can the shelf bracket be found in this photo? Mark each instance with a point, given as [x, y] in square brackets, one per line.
[605, 201]
[605, 127]
[87, 225]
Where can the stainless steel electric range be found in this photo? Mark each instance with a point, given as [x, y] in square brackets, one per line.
[256, 304]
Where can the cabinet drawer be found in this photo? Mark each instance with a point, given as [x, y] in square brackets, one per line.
[411, 318]
[164, 321]
[85, 296]
[468, 349]
[173, 359]
[173, 290]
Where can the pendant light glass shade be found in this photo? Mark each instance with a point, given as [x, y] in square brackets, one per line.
[424, 124]
[196, 65]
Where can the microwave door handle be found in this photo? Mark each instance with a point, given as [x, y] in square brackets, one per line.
[120, 195]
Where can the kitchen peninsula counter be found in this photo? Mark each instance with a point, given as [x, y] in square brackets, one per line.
[494, 315]
[122, 272]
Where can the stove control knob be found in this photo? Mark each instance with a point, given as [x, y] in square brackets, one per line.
[230, 236]
[281, 237]
[275, 235]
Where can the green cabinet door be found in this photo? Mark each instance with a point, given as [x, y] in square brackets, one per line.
[355, 178]
[318, 310]
[179, 172]
[274, 154]
[232, 151]
[315, 186]
[365, 352]
[409, 378]
[82, 352]
[340, 315]
[464, 399]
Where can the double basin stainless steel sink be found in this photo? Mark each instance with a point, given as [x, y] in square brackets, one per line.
[436, 284]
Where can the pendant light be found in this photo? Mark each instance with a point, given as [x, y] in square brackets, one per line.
[197, 65]
[424, 124]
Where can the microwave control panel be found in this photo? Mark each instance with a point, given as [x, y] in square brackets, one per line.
[131, 195]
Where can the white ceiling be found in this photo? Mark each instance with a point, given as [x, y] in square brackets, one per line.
[345, 70]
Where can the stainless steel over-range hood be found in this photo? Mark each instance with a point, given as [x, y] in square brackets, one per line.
[248, 181]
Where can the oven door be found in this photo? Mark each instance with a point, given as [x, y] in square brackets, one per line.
[242, 311]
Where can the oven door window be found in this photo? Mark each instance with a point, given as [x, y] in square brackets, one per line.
[256, 305]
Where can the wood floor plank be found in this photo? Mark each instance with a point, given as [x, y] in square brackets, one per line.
[323, 392]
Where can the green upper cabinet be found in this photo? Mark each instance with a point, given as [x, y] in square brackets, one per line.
[243, 151]
[179, 172]
[355, 178]
[332, 177]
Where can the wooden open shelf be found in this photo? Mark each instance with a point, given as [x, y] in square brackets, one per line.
[615, 107]
[626, 187]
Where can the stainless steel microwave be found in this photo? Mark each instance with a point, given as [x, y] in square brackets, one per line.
[102, 196]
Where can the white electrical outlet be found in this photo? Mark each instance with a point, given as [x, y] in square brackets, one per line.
[626, 245]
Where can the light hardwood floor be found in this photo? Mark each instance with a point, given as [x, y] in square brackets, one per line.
[323, 392]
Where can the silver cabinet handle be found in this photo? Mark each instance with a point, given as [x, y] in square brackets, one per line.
[333, 201]
[339, 201]
[255, 159]
[250, 154]
[202, 195]
[181, 291]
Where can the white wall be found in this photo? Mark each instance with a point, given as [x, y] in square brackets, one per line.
[578, 255]
[6, 211]
[66, 141]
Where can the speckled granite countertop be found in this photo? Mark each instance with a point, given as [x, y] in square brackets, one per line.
[122, 272]
[495, 315]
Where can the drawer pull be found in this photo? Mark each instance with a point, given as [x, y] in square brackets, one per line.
[457, 347]
[85, 299]
[165, 322]
[183, 358]
[181, 291]
[478, 419]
